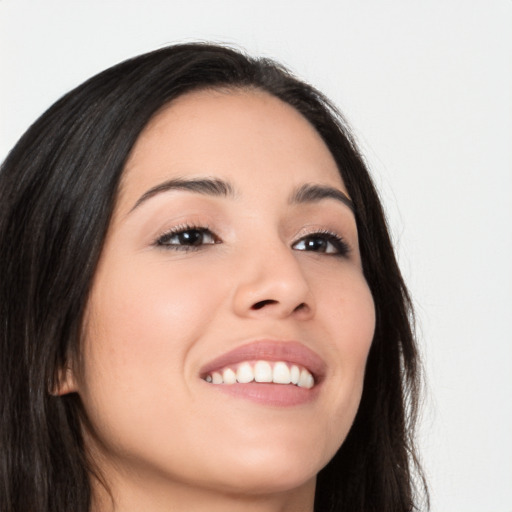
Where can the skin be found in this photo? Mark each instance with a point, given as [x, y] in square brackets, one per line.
[162, 437]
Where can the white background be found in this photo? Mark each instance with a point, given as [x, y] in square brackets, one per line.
[427, 87]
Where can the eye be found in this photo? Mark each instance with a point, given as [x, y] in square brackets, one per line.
[323, 242]
[187, 238]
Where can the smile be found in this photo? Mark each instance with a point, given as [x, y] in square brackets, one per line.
[276, 372]
[267, 371]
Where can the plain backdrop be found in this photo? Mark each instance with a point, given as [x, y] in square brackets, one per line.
[427, 87]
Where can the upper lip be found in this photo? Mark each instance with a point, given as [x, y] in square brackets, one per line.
[292, 352]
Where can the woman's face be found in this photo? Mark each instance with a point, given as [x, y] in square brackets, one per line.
[232, 256]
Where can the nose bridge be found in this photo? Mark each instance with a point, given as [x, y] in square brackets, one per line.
[271, 281]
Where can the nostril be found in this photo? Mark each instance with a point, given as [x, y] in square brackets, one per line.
[263, 303]
[301, 306]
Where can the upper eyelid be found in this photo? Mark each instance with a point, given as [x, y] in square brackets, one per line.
[185, 226]
[318, 230]
[329, 235]
[303, 232]
[342, 248]
[204, 226]
[177, 231]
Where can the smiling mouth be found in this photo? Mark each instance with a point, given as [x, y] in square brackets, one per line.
[261, 371]
[269, 372]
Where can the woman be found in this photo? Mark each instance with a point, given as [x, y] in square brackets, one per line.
[200, 304]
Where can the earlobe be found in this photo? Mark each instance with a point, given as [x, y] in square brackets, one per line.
[66, 382]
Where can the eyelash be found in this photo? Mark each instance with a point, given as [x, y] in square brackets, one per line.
[163, 240]
[339, 244]
[342, 249]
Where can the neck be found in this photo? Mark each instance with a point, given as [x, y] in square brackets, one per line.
[135, 494]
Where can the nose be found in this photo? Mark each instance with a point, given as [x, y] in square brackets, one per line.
[272, 283]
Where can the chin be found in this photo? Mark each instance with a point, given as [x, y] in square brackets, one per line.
[268, 480]
[268, 470]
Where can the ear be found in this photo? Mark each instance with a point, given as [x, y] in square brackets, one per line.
[66, 382]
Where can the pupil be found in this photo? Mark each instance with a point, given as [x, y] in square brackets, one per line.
[193, 237]
[316, 244]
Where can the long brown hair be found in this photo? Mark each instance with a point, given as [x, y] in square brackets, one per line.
[57, 190]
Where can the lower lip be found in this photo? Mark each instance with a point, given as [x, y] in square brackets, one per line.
[281, 395]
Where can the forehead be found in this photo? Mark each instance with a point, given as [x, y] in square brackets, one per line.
[241, 136]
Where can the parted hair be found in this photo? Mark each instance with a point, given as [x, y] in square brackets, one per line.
[58, 187]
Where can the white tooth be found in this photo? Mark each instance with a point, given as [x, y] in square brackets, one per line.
[208, 378]
[306, 379]
[217, 378]
[294, 374]
[281, 373]
[244, 373]
[229, 376]
[262, 372]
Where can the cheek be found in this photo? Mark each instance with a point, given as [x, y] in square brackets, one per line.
[351, 320]
[152, 307]
[139, 331]
[348, 311]
[140, 328]
[357, 330]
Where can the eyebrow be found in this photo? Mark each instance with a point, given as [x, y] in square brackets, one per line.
[206, 186]
[312, 193]
[308, 193]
